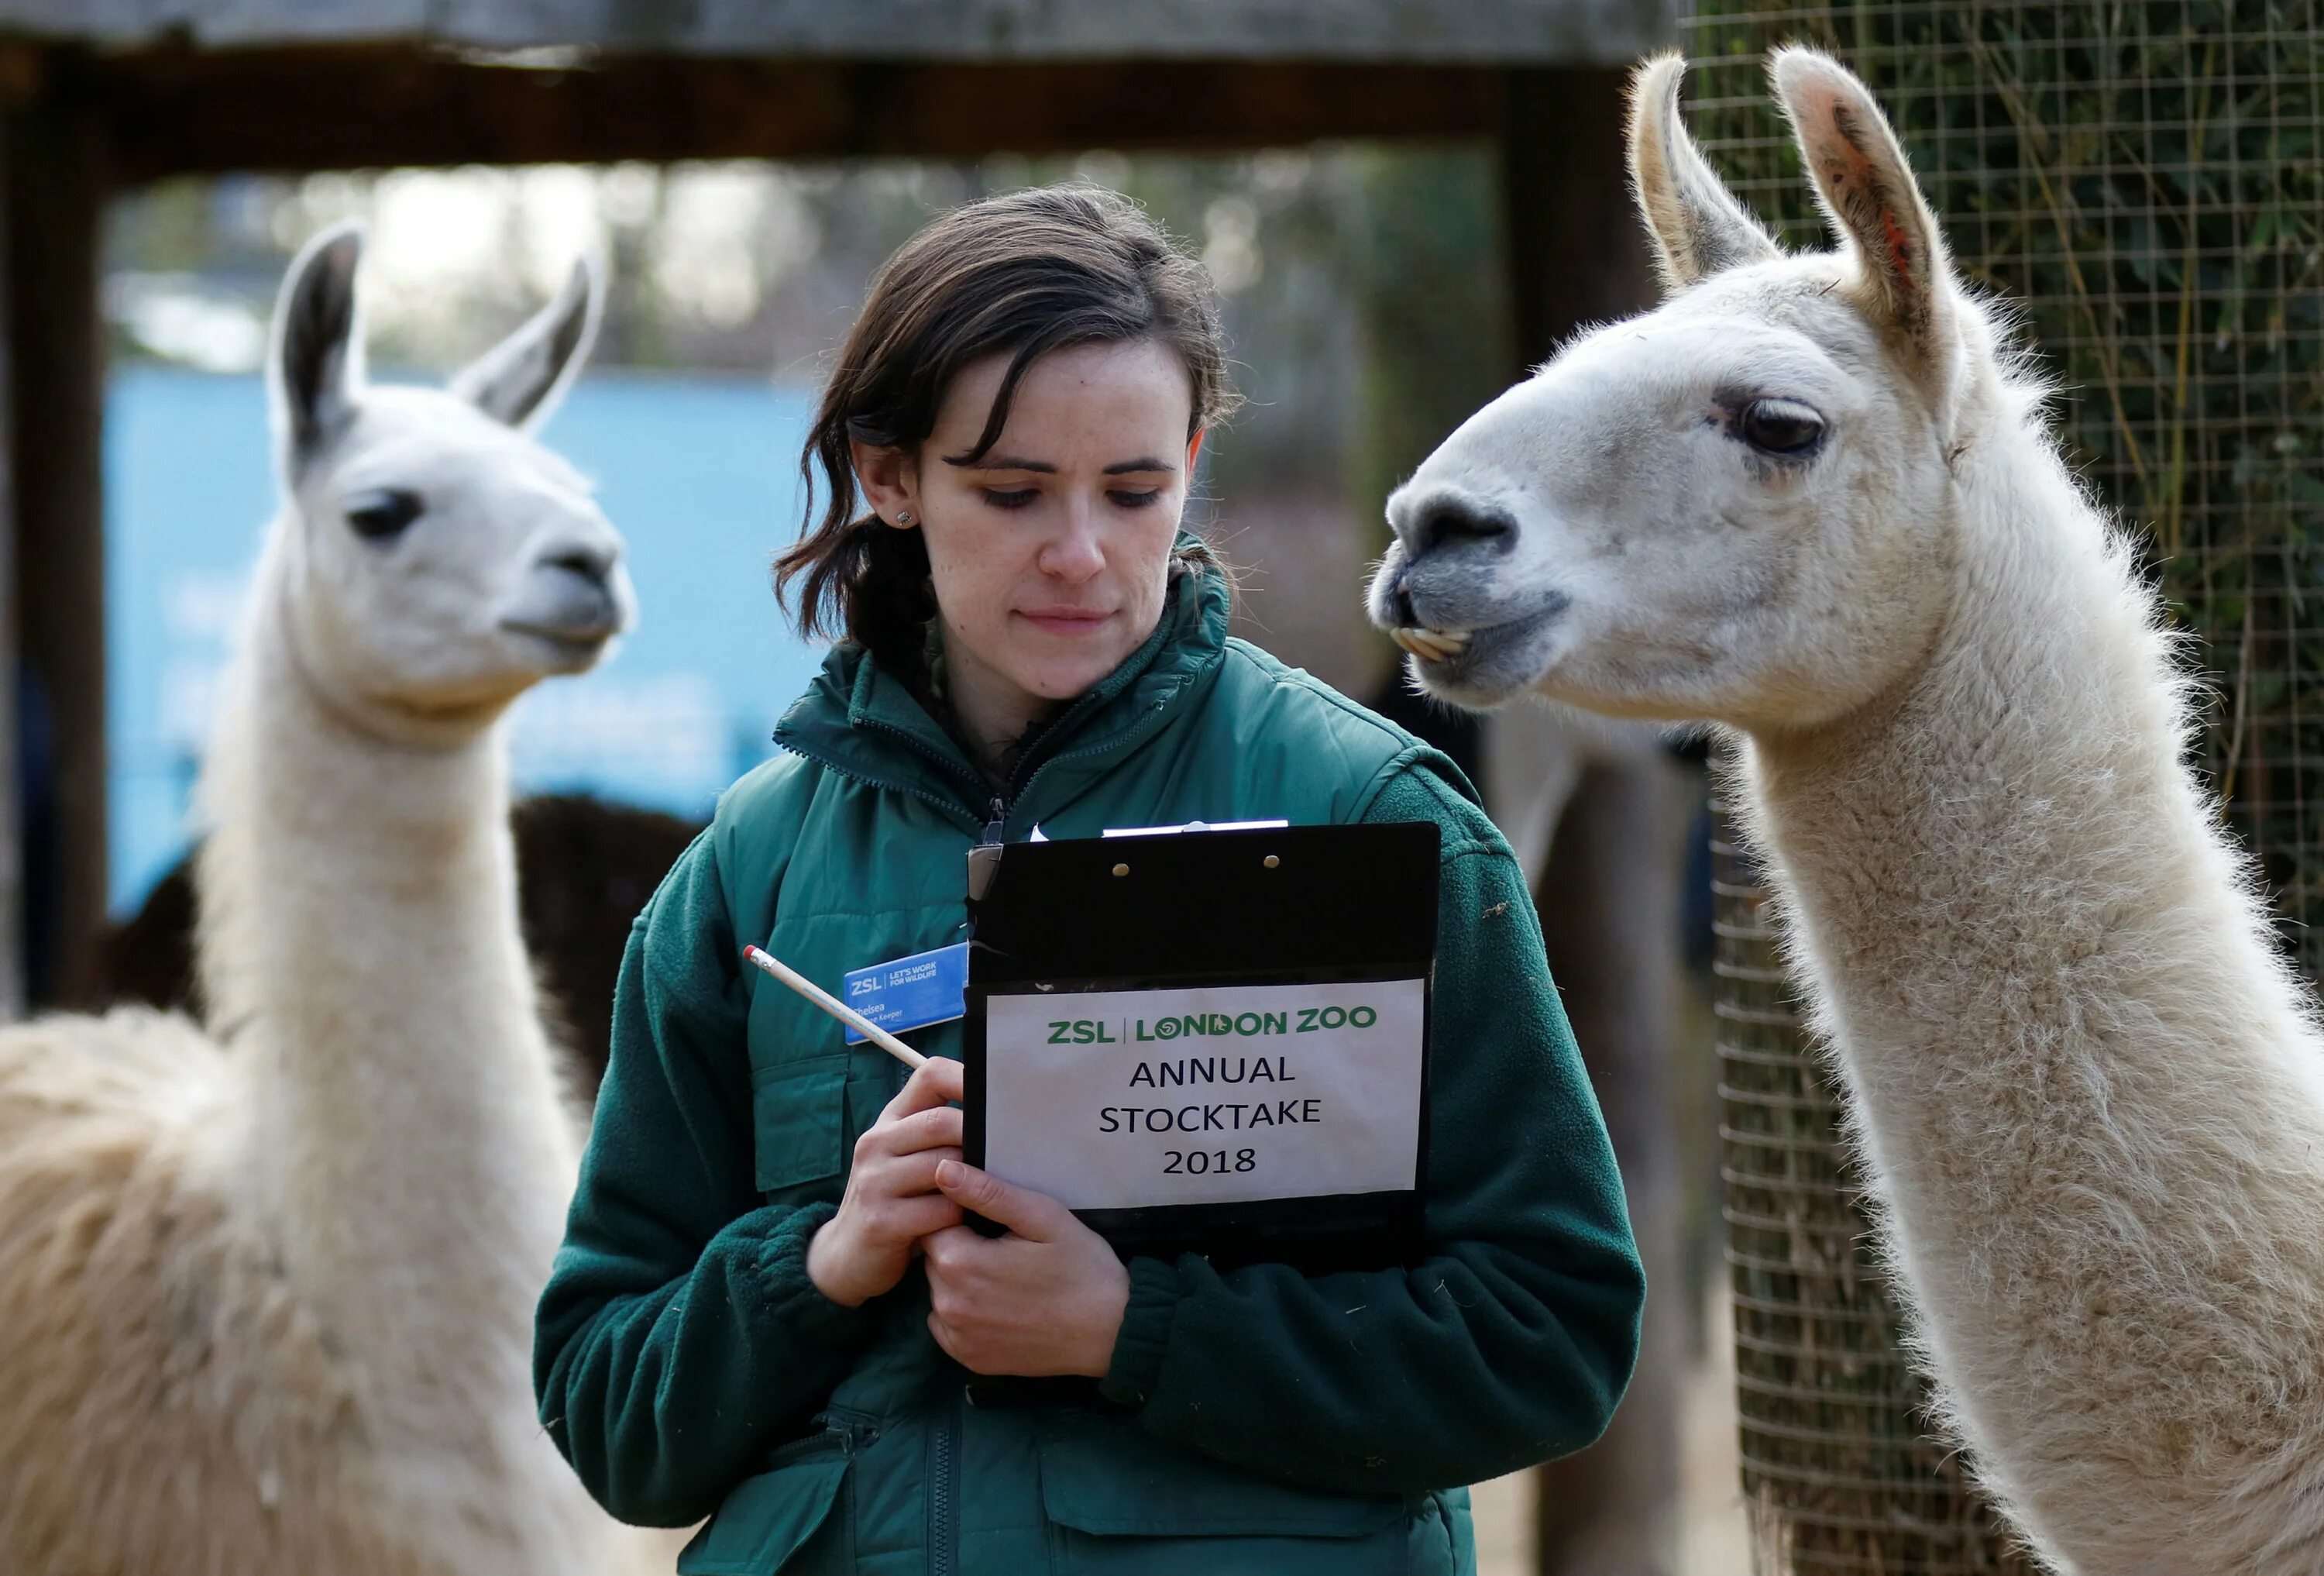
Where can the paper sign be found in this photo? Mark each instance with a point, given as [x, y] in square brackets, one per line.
[1191, 826]
[1211, 1094]
[909, 993]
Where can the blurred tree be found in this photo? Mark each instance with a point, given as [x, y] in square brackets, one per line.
[1431, 292]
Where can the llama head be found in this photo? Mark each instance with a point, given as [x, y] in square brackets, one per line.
[1730, 507]
[432, 560]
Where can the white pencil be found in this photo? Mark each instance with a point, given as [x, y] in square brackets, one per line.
[835, 1006]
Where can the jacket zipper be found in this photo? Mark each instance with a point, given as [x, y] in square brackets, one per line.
[997, 812]
[1023, 785]
[943, 1449]
[943, 1494]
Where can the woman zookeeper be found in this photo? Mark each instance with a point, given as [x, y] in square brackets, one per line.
[767, 1310]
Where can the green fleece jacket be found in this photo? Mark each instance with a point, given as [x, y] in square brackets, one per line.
[1256, 1419]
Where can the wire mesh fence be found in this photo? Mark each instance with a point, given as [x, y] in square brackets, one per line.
[2144, 179]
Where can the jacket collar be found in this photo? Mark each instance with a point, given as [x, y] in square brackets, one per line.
[864, 722]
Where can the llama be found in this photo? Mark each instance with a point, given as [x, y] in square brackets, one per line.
[268, 1290]
[1812, 499]
[584, 866]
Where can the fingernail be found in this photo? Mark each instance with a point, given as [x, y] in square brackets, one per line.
[949, 1174]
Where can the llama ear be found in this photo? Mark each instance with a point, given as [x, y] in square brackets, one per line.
[315, 365]
[1866, 189]
[1698, 226]
[523, 379]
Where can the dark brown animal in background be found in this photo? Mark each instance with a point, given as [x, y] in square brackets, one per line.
[584, 868]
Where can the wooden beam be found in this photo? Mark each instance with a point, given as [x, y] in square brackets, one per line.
[1486, 32]
[55, 189]
[182, 112]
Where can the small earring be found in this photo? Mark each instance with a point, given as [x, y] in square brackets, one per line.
[903, 517]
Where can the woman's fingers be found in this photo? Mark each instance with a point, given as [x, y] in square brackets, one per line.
[937, 1081]
[927, 1129]
[1035, 1216]
[915, 1133]
[907, 1175]
[898, 1220]
[923, 1215]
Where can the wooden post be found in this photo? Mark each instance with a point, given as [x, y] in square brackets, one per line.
[1576, 253]
[54, 174]
[1610, 893]
[12, 848]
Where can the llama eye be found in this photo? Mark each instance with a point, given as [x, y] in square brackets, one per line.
[1782, 427]
[376, 516]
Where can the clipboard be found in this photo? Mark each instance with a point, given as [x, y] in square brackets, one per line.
[1335, 913]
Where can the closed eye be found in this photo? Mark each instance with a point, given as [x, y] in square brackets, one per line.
[1134, 500]
[1012, 499]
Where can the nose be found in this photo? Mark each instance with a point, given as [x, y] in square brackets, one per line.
[591, 563]
[1451, 520]
[575, 587]
[1074, 554]
[1401, 612]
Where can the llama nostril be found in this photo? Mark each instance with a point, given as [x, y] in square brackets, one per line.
[1399, 606]
[589, 565]
[570, 594]
[1450, 521]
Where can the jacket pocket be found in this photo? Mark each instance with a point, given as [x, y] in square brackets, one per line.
[767, 1519]
[798, 1112]
[1125, 1505]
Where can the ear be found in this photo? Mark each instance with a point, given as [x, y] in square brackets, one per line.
[522, 379]
[315, 365]
[890, 480]
[1869, 194]
[1697, 226]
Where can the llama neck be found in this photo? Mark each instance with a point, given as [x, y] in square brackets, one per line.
[361, 953]
[2028, 931]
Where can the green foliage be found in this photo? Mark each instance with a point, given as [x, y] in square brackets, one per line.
[1429, 284]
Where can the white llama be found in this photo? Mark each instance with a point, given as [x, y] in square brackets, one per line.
[267, 1296]
[1811, 498]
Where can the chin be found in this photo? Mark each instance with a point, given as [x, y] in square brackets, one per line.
[545, 654]
[1053, 688]
[1066, 681]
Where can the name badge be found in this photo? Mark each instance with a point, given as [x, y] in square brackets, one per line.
[1210, 1094]
[908, 993]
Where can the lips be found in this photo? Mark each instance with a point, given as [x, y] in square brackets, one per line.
[1063, 620]
[1431, 645]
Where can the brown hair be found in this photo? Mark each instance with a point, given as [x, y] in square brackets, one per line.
[1027, 273]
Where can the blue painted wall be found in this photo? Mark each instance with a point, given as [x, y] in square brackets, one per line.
[700, 475]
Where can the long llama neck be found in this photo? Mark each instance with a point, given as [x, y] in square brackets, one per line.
[2084, 1079]
[401, 1146]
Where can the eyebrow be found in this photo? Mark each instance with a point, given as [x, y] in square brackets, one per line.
[1011, 463]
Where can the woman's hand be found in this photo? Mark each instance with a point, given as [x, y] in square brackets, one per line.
[1046, 1299]
[891, 1200]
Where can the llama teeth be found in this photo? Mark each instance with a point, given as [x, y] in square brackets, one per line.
[1428, 645]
